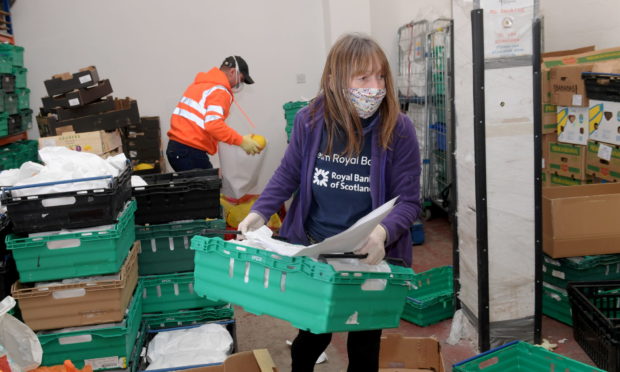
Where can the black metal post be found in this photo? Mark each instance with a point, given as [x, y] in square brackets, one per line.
[453, 189]
[477, 17]
[538, 254]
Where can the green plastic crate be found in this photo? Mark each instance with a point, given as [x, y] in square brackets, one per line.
[15, 154]
[555, 304]
[10, 103]
[431, 297]
[171, 292]
[109, 347]
[89, 253]
[20, 76]
[311, 295]
[179, 318]
[6, 65]
[4, 125]
[23, 98]
[166, 249]
[290, 110]
[26, 116]
[580, 269]
[13, 53]
[521, 356]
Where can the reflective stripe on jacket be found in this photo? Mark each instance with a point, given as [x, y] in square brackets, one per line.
[198, 119]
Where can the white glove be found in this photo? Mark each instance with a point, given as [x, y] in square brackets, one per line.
[375, 246]
[252, 221]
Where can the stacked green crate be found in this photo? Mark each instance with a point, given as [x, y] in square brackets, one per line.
[14, 95]
[166, 266]
[15, 154]
[431, 297]
[290, 110]
[557, 273]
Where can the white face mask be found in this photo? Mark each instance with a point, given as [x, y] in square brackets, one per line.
[239, 86]
[366, 100]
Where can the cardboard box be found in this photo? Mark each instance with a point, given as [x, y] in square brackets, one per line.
[100, 142]
[547, 140]
[247, 361]
[544, 179]
[79, 304]
[581, 220]
[579, 58]
[410, 354]
[557, 180]
[604, 121]
[549, 118]
[566, 85]
[603, 161]
[573, 125]
[567, 160]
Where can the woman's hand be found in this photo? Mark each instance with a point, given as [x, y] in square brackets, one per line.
[374, 247]
[252, 221]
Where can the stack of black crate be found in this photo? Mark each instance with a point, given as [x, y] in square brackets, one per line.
[142, 145]
[81, 102]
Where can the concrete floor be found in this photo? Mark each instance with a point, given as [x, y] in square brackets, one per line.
[254, 332]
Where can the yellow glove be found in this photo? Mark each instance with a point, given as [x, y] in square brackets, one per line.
[250, 146]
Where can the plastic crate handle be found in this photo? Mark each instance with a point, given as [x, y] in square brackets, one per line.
[485, 353]
[56, 183]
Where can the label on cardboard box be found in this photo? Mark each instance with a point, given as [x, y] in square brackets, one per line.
[603, 161]
[573, 125]
[604, 152]
[577, 100]
[74, 102]
[604, 121]
[85, 79]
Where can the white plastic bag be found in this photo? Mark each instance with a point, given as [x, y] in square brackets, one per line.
[20, 342]
[240, 171]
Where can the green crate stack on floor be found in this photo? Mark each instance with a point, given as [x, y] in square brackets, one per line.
[290, 110]
[15, 112]
[78, 283]
[431, 297]
[15, 154]
[557, 273]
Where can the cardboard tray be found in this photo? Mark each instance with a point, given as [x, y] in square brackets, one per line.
[79, 304]
[78, 97]
[64, 83]
[96, 107]
[125, 113]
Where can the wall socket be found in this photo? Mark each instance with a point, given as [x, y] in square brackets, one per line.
[301, 78]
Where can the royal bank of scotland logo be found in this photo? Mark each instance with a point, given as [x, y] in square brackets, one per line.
[321, 177]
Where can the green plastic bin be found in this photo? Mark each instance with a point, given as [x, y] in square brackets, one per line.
[520, 356]
[20, 76]
[4, 125]
[172, 292]
[179, 318]
[104, 347]
[17, 153]
[431, 297]
[560, 272]
[10, 103]
[309, 294]
[26, 116]
[555, 304]
[23, 98]
[13, 53]
[60, 256]
[290, 110]
[165, 248]
[6, 65]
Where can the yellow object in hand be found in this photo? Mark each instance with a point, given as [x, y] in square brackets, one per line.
[260, 140]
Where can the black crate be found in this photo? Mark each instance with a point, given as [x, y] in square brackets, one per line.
[178, 196]
[8, 274]
[89, 208]
[5, 229]
[7, 83]
[15, 124]
[103, 105]
[596, 320]
[148, 127]
[125, 113]
[604, 87]
[78, 97]
[64, 83]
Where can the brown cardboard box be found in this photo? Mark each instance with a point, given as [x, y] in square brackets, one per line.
[581, 220]
[99, 142]
[556, 180]
[410, 354]
[566, 85]
[79, 304]
[549, 118]
[567, 160]
[579, 58]
[547, 140]
[247, 361]
[606, 168]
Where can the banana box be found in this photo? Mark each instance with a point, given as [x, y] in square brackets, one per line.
[604, 120]
[573, 125]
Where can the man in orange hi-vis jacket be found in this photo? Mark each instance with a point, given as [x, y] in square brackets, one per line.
[197, 123]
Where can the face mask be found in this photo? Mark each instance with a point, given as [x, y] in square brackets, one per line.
[366, 100]
[239, 86]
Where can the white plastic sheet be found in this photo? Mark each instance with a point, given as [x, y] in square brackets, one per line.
[209, 343]
[18, 340]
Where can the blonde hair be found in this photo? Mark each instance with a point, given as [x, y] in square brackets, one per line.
[353, 55]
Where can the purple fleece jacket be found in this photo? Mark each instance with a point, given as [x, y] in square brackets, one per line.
[393, 172]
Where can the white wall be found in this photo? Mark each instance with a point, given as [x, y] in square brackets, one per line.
[571, 24]
[152, 49]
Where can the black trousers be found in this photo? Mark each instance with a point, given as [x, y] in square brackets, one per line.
[362, 349]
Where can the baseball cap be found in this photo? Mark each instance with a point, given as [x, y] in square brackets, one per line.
[243, 67]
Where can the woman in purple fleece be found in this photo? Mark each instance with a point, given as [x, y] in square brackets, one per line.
[351, 150]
